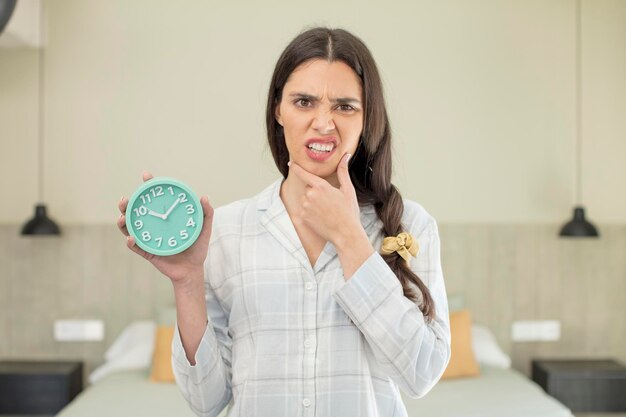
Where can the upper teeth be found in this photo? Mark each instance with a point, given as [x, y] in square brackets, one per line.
[320, 147]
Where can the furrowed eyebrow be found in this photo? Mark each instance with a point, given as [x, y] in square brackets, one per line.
[340, 100]
[347, 100]
[304, 96]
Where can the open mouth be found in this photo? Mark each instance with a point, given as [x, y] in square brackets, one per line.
[321, 148]
[319, 152]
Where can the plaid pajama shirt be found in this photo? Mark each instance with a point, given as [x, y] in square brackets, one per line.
[287, 339]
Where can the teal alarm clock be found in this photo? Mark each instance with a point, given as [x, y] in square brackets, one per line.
[164, 216]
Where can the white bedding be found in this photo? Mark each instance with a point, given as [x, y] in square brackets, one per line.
[128, 393]
[496, 392]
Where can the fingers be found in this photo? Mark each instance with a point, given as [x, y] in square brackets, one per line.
[130, 242]
[121, 221]
[206, 207]
[208, 216]
[306, 177]
[122, 205]
[121, 224]
[343, 174]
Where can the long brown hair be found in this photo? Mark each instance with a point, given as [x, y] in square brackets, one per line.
[370, 166]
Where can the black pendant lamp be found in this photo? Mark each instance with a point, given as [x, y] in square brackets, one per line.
[578, 226]
[6, 10]
[41, 224]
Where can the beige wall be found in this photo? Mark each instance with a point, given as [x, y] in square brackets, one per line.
[480, 94]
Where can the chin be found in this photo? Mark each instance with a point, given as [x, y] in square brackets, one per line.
[324, 171]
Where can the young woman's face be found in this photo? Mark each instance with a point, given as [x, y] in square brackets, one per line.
[321, 107]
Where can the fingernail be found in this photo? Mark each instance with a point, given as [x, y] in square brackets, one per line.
[347, 158]
[121, 199]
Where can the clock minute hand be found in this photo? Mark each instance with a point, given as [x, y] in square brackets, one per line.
[167, 213]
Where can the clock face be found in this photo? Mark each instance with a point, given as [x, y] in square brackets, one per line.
[164, 216]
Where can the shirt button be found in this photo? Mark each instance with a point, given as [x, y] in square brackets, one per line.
[306, 402]
[307, 343]
[308, 286]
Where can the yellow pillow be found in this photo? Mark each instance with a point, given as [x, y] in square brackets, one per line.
[162, 357]
[462, 361]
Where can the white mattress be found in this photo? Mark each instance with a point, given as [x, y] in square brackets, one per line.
[496, 392]
[128, 394]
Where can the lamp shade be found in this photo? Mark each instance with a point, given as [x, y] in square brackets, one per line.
[40, 224]
[579, 226]
[6, 10]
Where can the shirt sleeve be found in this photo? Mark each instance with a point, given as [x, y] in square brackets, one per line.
[413, 351]
[206, 385]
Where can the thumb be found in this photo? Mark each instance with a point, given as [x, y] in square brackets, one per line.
[207, 222]
[345, 183]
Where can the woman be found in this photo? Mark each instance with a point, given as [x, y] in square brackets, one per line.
[285, 305]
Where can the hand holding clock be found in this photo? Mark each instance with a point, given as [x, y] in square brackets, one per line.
[179, 266]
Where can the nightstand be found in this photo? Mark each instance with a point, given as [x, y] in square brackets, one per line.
[38, 387]
[584, 385]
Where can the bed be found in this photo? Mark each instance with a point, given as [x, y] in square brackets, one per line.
[128, 393]
[496, 392]
[499, 390]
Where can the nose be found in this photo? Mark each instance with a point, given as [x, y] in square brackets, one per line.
[323, 121]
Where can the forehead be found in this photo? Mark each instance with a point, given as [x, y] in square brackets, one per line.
[318, 76]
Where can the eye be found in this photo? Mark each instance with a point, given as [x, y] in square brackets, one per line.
[346, 108]
[303, 102]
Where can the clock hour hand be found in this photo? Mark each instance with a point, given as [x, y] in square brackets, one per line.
[167, 213]
[155, 214]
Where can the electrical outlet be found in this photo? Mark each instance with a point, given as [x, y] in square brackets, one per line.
[523, 331]
[539, 330]
[78, 330]
[550, 330]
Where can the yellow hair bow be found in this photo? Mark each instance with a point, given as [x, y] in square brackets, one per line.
[404, 244]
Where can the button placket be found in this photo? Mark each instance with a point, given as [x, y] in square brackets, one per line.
[309, 342]
[309, 310]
